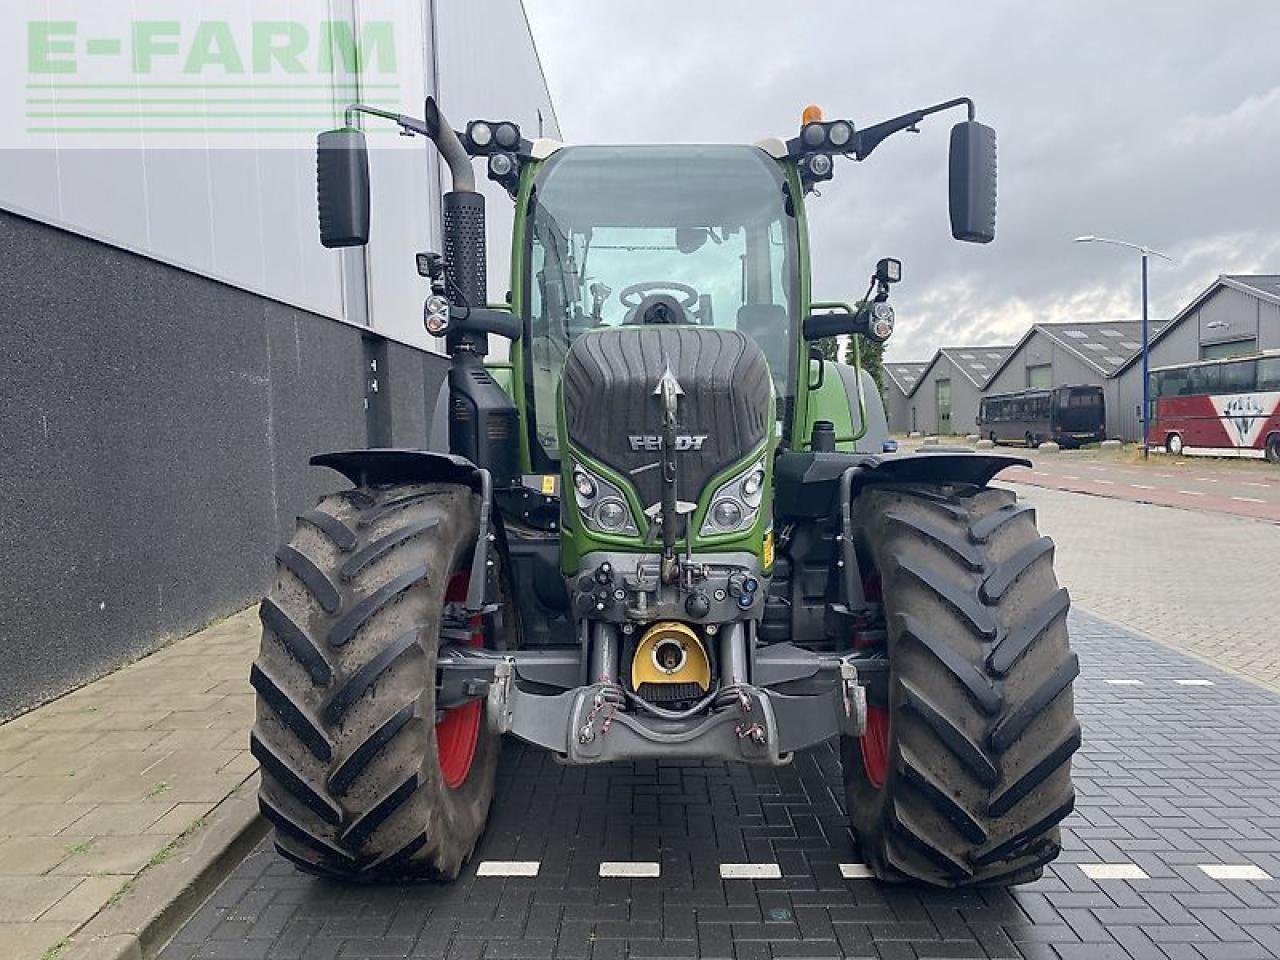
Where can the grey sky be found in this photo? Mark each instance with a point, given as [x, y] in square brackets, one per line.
[1155, 122]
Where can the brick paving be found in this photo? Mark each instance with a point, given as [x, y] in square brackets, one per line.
[95, 785]
[1172, 777]
[1204, 583]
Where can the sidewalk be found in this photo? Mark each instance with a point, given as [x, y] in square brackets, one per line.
[117, 779]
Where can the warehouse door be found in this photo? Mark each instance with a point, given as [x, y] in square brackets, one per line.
[944, 407]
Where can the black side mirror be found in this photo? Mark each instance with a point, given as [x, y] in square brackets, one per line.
[973, 182]
[342, 188]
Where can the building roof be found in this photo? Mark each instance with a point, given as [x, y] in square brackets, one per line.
[1104, 346]
[978, 364]
[1264, 286]
[905, 376]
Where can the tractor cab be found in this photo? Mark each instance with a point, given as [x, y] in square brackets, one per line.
[628, 236]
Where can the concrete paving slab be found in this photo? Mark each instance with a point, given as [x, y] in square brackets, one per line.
[113, 784]
[23, 899]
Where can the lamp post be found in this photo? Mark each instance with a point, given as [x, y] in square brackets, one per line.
[1146, 253]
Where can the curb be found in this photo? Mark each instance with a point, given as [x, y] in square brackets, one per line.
[163, 897]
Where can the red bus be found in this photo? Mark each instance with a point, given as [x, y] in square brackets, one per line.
[1220, 408]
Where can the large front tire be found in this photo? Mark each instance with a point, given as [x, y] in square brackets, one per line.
[358, 778]
[964, 774]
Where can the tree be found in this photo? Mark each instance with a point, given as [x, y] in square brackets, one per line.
[872, 359]
[872, 354]
[829, 347]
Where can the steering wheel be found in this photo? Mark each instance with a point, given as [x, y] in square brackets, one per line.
[634, 295]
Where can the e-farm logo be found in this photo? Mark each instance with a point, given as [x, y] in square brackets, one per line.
[164, 76]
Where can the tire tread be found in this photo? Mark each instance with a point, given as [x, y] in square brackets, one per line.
[983, 727]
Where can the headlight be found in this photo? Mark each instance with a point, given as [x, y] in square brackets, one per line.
[601, 504]
[840, 133]
[736, 504]
[584, 485]
[611, 515]
[727, 514]
[507, 136]
[480, 134]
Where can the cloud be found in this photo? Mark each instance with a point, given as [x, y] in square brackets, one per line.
[1156, 122]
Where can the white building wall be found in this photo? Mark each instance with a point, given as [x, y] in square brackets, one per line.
[227, 190]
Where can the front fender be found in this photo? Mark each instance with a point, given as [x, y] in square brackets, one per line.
[391, 465]
[808, 484]
[943, 465]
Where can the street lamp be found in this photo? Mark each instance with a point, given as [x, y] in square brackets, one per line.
[1146, 253]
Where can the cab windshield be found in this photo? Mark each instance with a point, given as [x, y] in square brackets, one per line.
[711, 226]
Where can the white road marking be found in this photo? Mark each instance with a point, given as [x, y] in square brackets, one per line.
[1113, 871]
[630, 868]
[1191, 493]
[1166, 476]
[1206, 479]
[1250, 483]
[1234, 871]
[1067, 476]
[1194, 683]
[1122, 682]
[508, 868]
[1248, 499]
[1141, 486]
[856, 871]
[750, 871]
[1110, 483]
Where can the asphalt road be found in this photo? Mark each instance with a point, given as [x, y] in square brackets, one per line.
[1243, 489]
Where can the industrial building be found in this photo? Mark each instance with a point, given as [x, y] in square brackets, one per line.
[1056, 354]
[945, 394]
[1233, 316]
[178, 344]
[902, 380]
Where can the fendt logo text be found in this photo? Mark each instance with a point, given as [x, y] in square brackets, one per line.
[653, 442]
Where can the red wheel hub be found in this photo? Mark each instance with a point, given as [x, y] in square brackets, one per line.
[875, 746]
[459, 730]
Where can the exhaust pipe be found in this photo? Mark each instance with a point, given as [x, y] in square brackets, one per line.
[450, 146]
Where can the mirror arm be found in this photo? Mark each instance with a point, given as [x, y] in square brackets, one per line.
[868, 138]
[410, 124]
[436, 129]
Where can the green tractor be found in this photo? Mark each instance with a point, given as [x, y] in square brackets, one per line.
[665, 528]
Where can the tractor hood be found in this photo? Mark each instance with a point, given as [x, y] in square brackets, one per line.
[613, 406]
